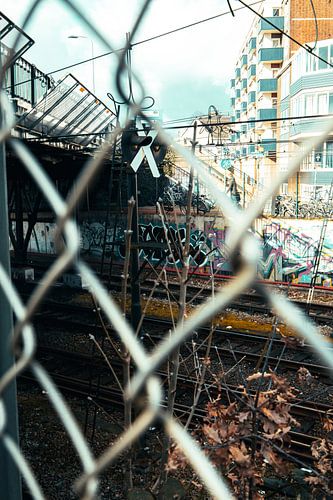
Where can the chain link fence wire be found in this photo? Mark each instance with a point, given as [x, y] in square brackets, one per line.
[23, 341]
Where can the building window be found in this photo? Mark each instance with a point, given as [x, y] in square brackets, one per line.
[285, 84]
[309, 104]
[329, 154]
[276, 12]
[330, 103]
[322, 104]
[323, 53]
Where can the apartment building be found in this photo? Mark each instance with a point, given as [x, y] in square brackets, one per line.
[305, 86]
[265, 54]
[254, 89]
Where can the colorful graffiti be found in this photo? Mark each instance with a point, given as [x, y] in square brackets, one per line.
[290, 248]
[161, 244]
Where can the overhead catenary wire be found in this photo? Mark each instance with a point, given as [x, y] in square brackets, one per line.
[191, 125]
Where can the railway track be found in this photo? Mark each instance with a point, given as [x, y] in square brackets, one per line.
[250, 302]
[69, 378]
[227, 344]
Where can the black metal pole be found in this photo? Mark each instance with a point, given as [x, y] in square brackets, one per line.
[9, 475]
[20, 254]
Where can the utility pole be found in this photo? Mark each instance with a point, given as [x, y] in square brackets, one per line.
[194, 143]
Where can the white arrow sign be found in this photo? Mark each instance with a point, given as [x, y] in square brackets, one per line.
[145, 151]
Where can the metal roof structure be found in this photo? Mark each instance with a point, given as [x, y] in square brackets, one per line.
[69, 113]
[13, 42]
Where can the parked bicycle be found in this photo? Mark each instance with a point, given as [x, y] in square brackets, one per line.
[176, 195]
[285, 206]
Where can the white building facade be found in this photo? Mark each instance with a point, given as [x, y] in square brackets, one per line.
[254, 96]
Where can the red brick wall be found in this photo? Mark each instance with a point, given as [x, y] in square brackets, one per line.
[305, 31]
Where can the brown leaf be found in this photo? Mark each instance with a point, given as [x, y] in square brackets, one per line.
[277, 417]
[240, 456]
[243, 416]
[273, 459]
[328, 424]
[314, 480]
[212, 434]
[304, 375]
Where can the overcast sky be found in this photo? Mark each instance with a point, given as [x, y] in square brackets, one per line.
[185, 72]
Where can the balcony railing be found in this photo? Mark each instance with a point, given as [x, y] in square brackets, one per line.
[271, 54]
[269, 144]
[251, 98]
[278, 22]
[267, 114]
[252, 70]
[252, 43]
[267, 85]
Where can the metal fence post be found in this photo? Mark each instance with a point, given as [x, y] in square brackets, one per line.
[9, 475]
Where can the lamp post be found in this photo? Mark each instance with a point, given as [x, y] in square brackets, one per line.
[92, 56]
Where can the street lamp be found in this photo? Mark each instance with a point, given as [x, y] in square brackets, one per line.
[92, 56]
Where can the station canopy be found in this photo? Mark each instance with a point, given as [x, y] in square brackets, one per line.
[68, 113]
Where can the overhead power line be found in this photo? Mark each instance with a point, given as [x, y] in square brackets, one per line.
[140, 42]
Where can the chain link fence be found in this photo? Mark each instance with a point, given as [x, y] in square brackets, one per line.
[240, 241]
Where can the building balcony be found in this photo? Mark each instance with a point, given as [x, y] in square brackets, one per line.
[252, 71]
[269, 144]
[238, 73]
[251, 98]
[271, 54]
[244, 60]
[244, 83]
[252, 43]
[267, 85]
[266, 114]
[232, 83]
[278, 22]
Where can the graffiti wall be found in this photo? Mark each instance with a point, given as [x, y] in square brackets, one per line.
[289, 247]
[158, 244]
